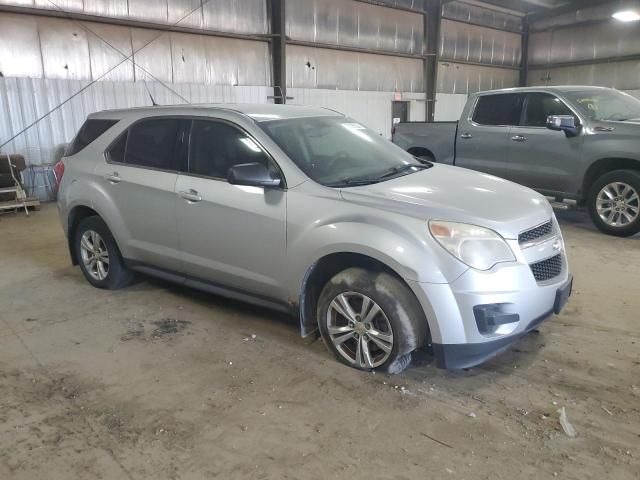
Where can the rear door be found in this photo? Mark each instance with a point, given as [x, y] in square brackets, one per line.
[230, 235]
[137, 182]
[482, 140]
[540, 158]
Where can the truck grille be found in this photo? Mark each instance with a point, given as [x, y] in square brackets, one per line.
[535, 233]
[547, 269]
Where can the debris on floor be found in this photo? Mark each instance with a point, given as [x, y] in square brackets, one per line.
[566, 426]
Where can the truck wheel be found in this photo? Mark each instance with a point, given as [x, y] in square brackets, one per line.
[99, 256]
[371, 320]
[614, 203]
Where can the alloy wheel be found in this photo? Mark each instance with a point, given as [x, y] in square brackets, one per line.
[95, 256]
[359, 330]
[618, 204]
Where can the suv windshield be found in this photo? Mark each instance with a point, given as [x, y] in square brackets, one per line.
[602, 105]
[340, 152]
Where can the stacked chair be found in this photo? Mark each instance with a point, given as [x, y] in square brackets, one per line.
[12, 193]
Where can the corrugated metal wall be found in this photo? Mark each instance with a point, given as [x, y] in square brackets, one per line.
[601, 52]
[37, 46]
[476, 50]
[240, 16]
[355, 24]
[24, 100]
[312, 67]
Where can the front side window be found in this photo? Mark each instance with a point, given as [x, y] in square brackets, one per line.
[540, 106]
[498, 110]
[151, 143]
[90, 131]
[606, 105]
[216, 146]
[340, 152]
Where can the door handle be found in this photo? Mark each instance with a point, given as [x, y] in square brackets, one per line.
[190, 195]
[113, 178]
[466, 136]
[519, 138]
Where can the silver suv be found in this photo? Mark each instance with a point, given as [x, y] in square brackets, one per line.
[308, 212]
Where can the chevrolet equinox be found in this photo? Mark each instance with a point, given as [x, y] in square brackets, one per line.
[307, 211]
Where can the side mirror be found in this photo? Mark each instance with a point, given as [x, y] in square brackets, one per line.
[564, 123]
[252, 175]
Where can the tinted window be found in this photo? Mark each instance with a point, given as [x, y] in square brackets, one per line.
[215, 147]
[501, 109]
[116, 150]
[153, 143]
[540, 106]
[90, 130]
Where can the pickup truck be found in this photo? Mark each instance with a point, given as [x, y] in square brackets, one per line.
[573, 143]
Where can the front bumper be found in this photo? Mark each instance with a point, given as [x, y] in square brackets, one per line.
[457, 336]
[456, 356]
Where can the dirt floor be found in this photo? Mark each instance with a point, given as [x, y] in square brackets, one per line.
[157, 381]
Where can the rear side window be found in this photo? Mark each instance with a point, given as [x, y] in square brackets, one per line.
[90, 130]
[503, 109]
[540, 106]
[150, 143]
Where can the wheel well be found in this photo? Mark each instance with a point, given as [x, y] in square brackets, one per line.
[602, 166]
[321, 272]
[76, 215]
[420, 151]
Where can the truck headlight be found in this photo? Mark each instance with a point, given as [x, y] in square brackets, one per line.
[478, 247]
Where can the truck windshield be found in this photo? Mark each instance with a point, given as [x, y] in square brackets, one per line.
[340, 152]
[602, 105]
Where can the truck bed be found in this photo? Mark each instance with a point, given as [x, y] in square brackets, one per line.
[436, 139]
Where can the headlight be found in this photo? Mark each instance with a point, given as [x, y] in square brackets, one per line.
[478, 247]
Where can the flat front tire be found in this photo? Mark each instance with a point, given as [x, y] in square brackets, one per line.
[98, 255]
[614, 203]
[371, 320]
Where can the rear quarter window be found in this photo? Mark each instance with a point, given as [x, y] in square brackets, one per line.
[90, 131]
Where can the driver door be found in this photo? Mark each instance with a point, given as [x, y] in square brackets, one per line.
[230, 235]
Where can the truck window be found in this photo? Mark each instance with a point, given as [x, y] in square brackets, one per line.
[539, 106]
[501, 109]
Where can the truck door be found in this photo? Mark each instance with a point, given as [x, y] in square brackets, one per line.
[483, 133]
[541, 158]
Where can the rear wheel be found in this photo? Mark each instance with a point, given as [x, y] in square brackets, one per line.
[370, 320]
[614, 203]
[99, 256]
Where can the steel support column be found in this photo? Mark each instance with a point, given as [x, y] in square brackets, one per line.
[432, 20]
[524, 60]
[277, 18]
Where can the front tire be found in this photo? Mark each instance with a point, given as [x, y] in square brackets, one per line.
[614, 203]
[371, 320]
[98, 255]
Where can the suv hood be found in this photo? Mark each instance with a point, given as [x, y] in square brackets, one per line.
[459, 195]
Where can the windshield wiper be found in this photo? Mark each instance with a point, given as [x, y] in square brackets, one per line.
[401, 168]
[351, 182]
[360, 181]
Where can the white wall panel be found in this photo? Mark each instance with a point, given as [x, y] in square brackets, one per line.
[372, 109]
[65, 49]
[449, 106]
[19, 46]
[105, 56]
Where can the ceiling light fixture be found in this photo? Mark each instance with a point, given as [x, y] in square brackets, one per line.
[627, 16]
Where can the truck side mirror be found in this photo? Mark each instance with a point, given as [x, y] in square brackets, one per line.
[564, 123]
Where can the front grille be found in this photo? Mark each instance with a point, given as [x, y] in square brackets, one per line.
[547, 269]
[535, 233]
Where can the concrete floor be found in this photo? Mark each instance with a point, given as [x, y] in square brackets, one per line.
[156, 381]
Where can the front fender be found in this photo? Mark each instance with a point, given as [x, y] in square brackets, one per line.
[407, 250]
